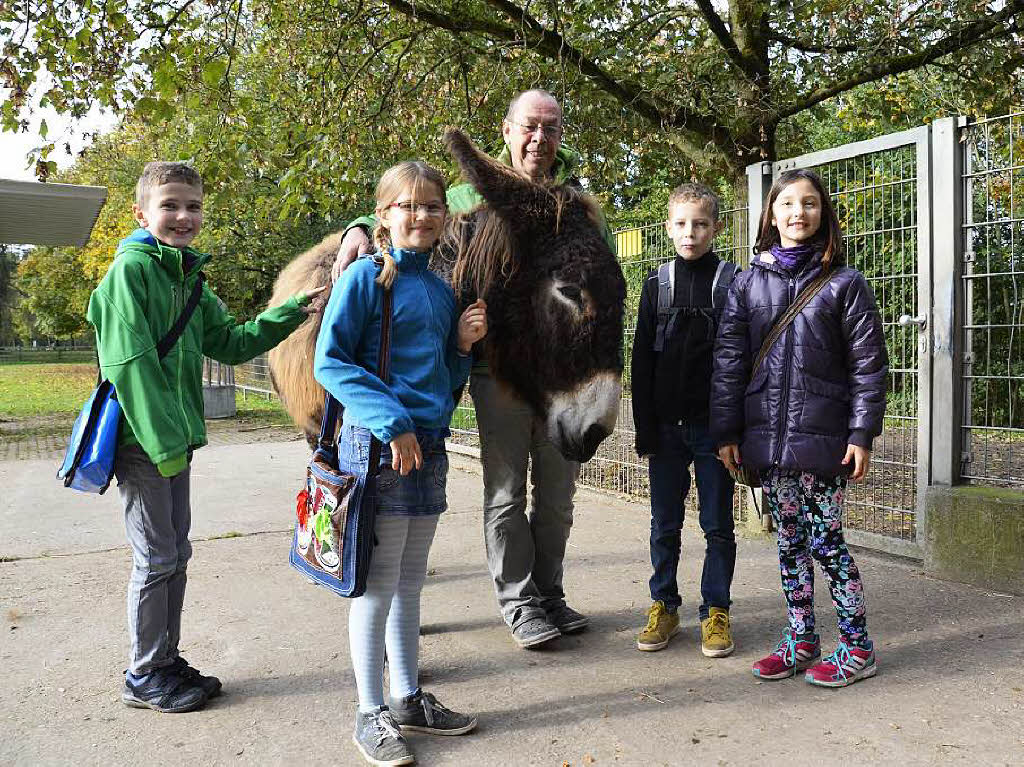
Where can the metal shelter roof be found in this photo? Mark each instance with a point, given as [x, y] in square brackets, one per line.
[33, 213]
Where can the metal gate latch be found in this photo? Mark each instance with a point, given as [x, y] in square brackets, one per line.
[906, 319]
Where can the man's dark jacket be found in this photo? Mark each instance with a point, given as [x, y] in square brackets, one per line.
[674, 385]
[822, 385]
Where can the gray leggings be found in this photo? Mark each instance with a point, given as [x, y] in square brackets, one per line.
[389, 611]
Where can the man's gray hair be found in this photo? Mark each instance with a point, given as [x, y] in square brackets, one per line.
[518, 97]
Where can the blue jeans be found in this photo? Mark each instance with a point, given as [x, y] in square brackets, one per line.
[680, 445]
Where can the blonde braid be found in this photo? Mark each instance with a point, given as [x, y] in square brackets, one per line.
[382, 240]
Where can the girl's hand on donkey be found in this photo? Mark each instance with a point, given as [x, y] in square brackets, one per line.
[405, 453]
[861, 461]
[472, 325]
[730, 456]
[316, 300]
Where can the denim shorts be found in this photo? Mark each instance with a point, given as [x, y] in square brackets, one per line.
[421, 492]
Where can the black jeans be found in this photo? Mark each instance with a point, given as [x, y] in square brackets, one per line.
[680, 445]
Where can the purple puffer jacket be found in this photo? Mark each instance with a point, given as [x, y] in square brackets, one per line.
[821, 387]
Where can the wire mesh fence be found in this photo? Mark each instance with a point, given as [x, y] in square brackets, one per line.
[993, 277]
[253, 377]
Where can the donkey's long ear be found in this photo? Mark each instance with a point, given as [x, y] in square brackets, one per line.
[522, 203]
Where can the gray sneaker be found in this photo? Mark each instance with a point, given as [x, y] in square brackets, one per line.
[534, 631]
[420, 712]
[567, 620]
[380, 741]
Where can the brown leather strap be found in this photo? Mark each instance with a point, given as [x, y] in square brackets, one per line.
[809, 292]
[383, 368]
[384, 354]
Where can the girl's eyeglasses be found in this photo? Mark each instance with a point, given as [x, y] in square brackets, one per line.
[431, 209]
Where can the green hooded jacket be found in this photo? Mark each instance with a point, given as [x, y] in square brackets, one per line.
[133, 307]
[464, 197]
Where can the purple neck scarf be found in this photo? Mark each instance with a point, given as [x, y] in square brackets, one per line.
[793, 259]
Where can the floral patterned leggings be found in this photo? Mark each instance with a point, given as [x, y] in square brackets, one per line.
[808, 512]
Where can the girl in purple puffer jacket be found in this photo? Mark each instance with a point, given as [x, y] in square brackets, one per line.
[806, 418]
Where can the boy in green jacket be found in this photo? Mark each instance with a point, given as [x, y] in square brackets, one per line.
[142, 295]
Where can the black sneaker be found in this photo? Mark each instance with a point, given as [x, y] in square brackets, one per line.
[534, 631]
[165, 691]
[567, 620]
[210, 684]
[380, 741]
[420, 712]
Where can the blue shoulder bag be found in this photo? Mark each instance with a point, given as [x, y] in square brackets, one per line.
[89, 462]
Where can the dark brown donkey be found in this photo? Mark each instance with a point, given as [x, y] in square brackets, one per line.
[554, 293]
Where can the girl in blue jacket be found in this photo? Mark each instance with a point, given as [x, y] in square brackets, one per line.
[430, 358]
[805, 419]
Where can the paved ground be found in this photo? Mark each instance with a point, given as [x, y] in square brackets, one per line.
[950, 689]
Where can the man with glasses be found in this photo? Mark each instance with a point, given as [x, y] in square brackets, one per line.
[524, 552]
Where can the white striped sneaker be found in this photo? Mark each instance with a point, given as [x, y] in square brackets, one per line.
[843, 667]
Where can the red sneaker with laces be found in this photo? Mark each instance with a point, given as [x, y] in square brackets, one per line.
[790, 655]
[845, 666]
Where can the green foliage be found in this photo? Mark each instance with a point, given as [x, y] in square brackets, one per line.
[55, 294]
[319, 96]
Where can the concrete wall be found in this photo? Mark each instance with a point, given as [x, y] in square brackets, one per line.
[976, 535]
[219, 401]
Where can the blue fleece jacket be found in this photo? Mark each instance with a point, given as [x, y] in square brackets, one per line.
[426, 366]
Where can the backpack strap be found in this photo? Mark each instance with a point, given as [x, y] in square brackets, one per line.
[724, 275]
[168, 341]
[666, 312]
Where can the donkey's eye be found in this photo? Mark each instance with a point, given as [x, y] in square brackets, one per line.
[571, 292]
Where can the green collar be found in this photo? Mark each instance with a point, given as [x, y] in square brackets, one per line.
[169, 258]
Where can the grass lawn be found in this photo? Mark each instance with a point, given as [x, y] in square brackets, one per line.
[257, 409]
[50, 389]
[44, 389]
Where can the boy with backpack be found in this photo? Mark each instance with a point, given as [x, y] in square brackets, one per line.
[155, 320]
[677, 321]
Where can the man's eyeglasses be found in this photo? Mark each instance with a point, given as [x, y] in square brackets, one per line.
[550, 132]
[432, 209]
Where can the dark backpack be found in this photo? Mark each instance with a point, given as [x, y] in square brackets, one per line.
[667, 314]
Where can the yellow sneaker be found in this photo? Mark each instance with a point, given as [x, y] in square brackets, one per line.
[715, 637]
[661, 626]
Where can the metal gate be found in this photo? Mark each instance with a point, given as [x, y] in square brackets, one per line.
[880, 189]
